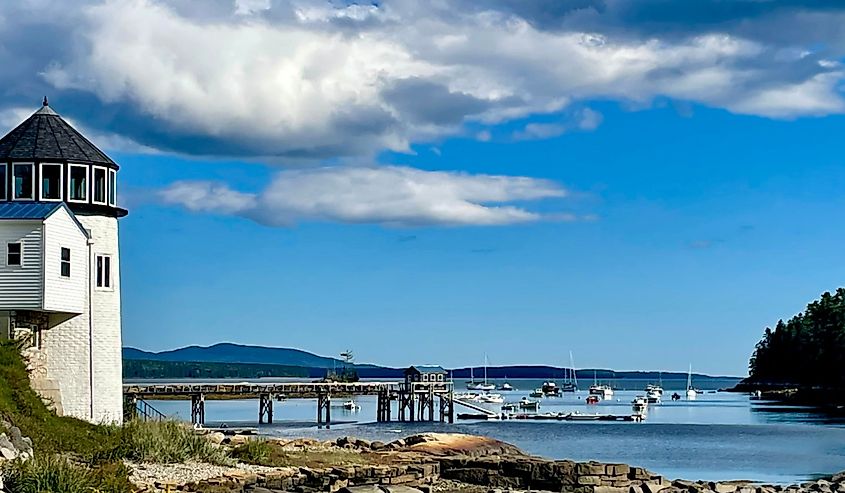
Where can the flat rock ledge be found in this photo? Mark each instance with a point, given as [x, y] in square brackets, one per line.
[441, 463]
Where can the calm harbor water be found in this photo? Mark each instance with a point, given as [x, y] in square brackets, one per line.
[717, 436]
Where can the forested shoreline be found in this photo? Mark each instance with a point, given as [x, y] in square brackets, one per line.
[807, 351]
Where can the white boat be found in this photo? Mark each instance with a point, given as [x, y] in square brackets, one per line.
[491, 398]
[465, 396]
[509, 407]
[691, 392]
[601, 390]
[526, 403]
[654, 396]
[351, 405]
[550, 389]
[639, 404]
[654, 388]
[484, 386]
[506, 387]
[536, 393]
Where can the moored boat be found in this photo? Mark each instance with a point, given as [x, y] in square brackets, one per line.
[692, 393]
[536, 393]
[639, 404]
[526, 403]
[593, 399]
[491, 398]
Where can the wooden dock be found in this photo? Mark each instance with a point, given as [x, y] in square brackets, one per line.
[417, 401]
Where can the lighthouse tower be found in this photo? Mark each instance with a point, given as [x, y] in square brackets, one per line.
[60, 264]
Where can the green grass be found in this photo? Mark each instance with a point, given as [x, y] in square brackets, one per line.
[55, 474]
[50, 434]
[72, 455]
[254, 452]
[166, 441]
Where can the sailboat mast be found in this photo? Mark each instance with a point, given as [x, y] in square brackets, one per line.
[572, 365]
[485, 369]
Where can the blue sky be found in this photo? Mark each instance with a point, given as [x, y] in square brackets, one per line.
[646, 184]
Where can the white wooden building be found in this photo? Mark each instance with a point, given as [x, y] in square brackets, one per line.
[59, 264]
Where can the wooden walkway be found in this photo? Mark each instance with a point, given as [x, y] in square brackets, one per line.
[416, 401]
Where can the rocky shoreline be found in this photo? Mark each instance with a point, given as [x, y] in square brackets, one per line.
[433, 463]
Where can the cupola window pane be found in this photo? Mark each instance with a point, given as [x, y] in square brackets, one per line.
[23, 178]
[100, 185]
[112, 187]
[78, 186]
[51, 181]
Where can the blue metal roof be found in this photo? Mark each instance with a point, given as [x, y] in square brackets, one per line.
[429, 369]
[27, 210]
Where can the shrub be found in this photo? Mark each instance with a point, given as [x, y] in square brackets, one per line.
[165, 441]
[56, 474]
[254, 452]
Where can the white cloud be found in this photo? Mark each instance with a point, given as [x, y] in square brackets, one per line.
[315, 79]
[393, 196]
[585, 120]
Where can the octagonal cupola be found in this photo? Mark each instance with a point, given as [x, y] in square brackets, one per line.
[44, 159]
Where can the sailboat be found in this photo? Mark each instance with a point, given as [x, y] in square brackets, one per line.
[691, 392]
[486, 387]
[570, 383]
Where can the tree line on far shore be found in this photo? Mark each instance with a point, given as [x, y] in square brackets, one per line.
[807, 350]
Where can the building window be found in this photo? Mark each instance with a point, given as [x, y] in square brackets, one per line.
[100, 185]
[14, 254]
[104, 271]
[112, 187]
[23, 181]
[51, 182]
[78, 183]
[3, 182]
[65, 262]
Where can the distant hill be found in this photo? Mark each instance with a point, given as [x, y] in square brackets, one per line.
[226, 352]
[293, 362]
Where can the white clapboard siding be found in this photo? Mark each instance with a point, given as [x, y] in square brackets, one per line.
[21, 286]
[64, 294]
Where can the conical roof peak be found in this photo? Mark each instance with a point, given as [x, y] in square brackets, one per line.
[46, 136]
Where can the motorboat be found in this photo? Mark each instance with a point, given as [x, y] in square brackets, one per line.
[676, 396]
[593, 399]
[639, 404]
[509, 407]
[550, 389]
[603, 391]
[491, 398]
[528, 404]
[654, 388]
[506, 387]
[351, 405]
[536, 393]
[465, 396]
[654, 396]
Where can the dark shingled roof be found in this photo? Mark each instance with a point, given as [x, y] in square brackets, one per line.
[46, 136]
